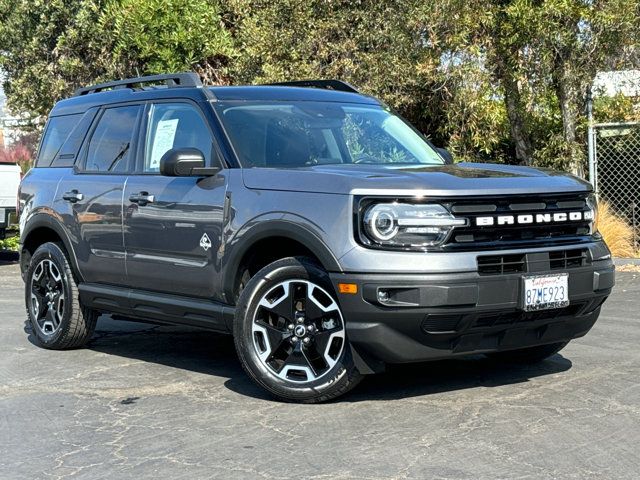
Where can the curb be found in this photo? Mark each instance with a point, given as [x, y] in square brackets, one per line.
[626, 261]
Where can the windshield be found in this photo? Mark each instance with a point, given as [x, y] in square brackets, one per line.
[301, 134]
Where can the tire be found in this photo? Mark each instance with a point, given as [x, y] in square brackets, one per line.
[528, 355]
[66, 323]
[309, 363]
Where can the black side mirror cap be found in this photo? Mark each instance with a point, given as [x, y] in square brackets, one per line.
[446, 156]
[185, 162]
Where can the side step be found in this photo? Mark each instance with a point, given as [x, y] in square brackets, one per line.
[163, 307]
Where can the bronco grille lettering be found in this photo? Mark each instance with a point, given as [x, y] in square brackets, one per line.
[528, 219]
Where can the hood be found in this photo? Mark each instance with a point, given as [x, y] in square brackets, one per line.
[462, 179]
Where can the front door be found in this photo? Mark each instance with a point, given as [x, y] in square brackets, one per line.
[173, 225]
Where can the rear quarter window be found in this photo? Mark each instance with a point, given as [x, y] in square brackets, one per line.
[55, 134]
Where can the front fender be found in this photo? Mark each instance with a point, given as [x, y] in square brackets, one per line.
[262, 228]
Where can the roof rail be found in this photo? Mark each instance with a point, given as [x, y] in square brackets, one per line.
[184, 79]
[326, 84]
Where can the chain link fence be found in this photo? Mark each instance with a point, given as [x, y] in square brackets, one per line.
[616, 172]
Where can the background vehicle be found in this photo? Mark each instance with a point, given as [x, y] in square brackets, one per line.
[9, 184]
[314, 224]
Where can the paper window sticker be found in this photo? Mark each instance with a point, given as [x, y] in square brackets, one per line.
[163, 141]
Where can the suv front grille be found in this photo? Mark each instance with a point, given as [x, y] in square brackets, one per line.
[500, 264]
[563, 259]
[518, 263]
[499, 236]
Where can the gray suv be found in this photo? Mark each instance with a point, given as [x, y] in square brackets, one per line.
[310, 221]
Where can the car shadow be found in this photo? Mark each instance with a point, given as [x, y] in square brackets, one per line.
[214, 354]
[428, 378]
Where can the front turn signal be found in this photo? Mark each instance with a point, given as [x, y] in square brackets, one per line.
[348, 288]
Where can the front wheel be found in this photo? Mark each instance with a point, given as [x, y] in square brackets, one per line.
[528, 355]
[290, 334]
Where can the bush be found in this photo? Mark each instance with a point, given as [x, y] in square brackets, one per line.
[616, 232]
[11, 244]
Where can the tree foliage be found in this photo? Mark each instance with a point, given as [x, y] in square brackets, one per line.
[158, 36]
[494, 80]
[48, 47]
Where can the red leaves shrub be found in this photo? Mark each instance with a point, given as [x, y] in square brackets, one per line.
[18, 154]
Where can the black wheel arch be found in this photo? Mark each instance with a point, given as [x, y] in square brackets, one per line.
[42, 228]
[248, 240]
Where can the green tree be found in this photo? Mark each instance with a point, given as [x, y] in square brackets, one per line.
[570, 41]
[159, 36]
[366, 42]
[497, 80]
[48, 48]
[542, 55]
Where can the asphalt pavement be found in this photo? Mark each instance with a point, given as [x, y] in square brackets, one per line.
[149, 402]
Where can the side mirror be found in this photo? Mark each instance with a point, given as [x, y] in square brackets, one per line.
[446, 156]
[185, 162]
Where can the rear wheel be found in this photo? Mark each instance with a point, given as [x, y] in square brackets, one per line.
[57, 318]
[528, 355]
[290, 333]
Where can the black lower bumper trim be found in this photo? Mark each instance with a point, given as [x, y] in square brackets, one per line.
[441, 316]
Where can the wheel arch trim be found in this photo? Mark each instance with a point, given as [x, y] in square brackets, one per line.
[44, 220]
[275, 229]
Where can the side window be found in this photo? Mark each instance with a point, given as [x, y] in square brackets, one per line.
[110, 149]
[66, 156]
[175, 125]
[57, 131]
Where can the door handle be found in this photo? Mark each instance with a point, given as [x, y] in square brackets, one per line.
[73, 196]
[142, 198]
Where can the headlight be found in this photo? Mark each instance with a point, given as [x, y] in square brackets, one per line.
[404, 225]
[592, 203]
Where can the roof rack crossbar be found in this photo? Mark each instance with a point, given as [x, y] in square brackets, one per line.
[185, 79]
[326, 84]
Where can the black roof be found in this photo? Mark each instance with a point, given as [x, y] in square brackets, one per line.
[80, 103]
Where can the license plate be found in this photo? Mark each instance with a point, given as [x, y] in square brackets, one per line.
[543, 292]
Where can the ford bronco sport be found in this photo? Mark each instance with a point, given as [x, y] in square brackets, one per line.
[310, 221]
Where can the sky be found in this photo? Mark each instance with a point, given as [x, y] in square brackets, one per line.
[609, 84]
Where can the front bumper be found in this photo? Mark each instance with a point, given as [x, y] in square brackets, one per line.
[439, 316]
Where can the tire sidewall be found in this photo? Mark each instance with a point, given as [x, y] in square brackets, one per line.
[262, 282]
[50, 251]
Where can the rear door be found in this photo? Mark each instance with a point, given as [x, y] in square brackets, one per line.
[91, 193]
[172, 237]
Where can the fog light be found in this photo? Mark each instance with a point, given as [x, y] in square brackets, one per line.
[383, 296]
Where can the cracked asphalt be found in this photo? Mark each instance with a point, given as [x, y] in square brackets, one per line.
[143, 401]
